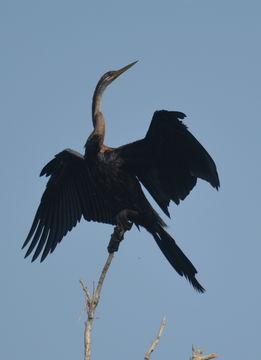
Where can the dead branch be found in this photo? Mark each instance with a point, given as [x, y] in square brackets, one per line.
[92, 301]
[197, 355]
[156, 341]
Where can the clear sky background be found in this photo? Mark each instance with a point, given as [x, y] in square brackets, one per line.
[199, 57]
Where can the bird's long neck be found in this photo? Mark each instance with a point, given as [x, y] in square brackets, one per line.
[96, 139]
[97, 116]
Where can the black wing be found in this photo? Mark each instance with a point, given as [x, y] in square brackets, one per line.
[169, 159]
[71, 193]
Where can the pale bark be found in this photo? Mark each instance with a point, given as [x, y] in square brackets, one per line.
[197, 355]
[156, 341]
[92, 301]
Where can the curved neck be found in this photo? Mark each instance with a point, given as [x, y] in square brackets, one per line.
[97, 116]
[99, 125]
[96, 139]
[96, 102]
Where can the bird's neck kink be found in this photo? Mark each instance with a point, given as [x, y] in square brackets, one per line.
[93, 144]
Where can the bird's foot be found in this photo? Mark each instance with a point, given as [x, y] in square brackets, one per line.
[125, 218]
[116, 238]
[124, 223]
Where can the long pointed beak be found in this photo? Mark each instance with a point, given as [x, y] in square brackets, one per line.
[122, 70]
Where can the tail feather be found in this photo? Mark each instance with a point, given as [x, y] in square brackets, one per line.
[176, 257]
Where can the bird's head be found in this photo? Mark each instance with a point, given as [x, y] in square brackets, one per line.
[110, 76]
[97, 116]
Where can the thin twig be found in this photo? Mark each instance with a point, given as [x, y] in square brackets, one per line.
[85, 289]
[97, 291]
[92, 301]
[156, 341]
[197, 355]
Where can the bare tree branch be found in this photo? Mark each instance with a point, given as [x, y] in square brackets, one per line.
[92, 301]
[85, 289]
[197, 355]
[156, 341]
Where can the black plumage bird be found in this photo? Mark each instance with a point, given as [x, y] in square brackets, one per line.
[103, 185]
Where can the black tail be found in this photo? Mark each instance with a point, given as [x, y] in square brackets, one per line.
[176, 257]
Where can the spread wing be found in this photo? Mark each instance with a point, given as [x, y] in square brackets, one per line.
[71, 193]
[169, 159]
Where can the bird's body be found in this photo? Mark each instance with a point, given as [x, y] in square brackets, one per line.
[104, 185]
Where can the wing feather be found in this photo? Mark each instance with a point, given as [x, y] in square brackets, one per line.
[71, 192]
[169, 159]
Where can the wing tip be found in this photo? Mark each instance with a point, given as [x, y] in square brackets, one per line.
[24, 244]
[196, 285]
[216, 183]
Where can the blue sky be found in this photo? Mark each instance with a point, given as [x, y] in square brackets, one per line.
[198, 57]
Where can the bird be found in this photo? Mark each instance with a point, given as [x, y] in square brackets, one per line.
[104, 183]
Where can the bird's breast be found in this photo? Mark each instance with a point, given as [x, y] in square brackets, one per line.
[120, 188]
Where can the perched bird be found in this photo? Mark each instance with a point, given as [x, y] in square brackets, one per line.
[104, 184]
